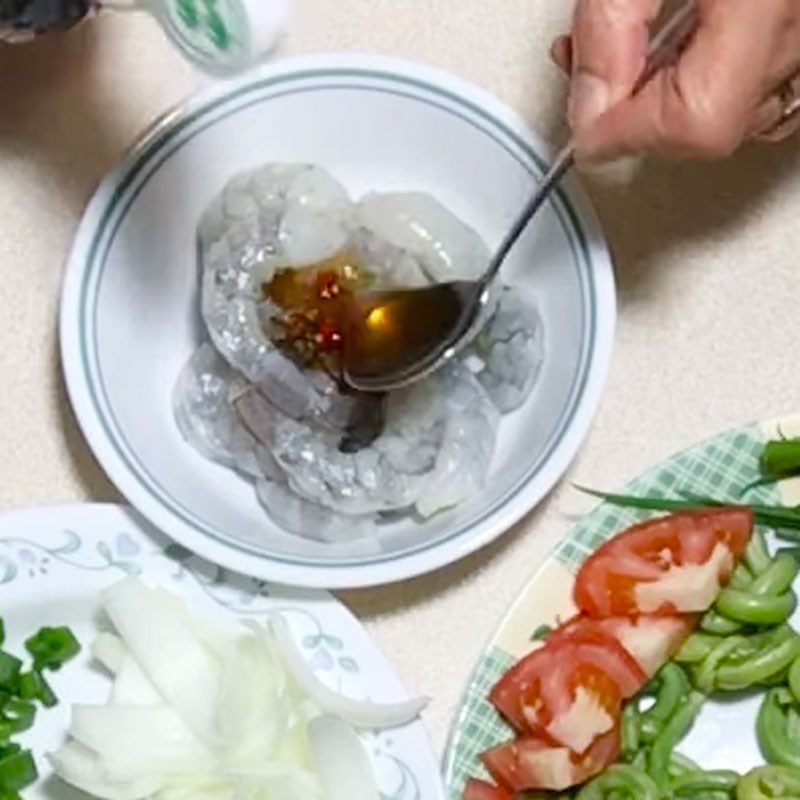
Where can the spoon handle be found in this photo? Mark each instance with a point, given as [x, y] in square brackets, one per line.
[664, 48]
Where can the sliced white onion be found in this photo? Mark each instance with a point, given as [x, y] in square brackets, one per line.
[132, 687]
[202, 714]
[138, 740]
[168, 651]
[80, 766]
[341, 760]
[109, 651]
[361, 713]
[254, 713]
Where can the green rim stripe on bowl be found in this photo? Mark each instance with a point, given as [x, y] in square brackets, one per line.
[155, 152]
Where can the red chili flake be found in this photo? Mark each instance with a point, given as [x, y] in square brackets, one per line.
[329, 336]
[328, 285]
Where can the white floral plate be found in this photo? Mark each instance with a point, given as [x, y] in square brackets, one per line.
[55, 561]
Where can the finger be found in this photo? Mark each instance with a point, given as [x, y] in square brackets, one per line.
[561, 53]
[767, 116]
[703, 105]
[609, 50]
[778, 115]
[788, 127]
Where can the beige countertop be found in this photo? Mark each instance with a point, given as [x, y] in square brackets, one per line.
[706, 257]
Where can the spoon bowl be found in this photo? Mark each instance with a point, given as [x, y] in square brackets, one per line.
[397, 337]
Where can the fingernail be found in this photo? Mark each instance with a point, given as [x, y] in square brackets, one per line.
[588, 101]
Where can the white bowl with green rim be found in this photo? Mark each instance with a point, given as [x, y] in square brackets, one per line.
[129, 313]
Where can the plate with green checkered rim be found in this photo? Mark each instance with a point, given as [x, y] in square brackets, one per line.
[721, 467]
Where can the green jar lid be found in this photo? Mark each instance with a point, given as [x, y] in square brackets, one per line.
[222, 36]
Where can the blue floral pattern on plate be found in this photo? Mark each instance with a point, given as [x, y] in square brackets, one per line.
[28, 558]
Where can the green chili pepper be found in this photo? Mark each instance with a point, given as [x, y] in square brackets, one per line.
[622, 781]
[2, 632]
[52, 647]
[756, 557]
[696, 648]
[718, 625]
[770, 783]
[776, 576]
[771, 730]
[693, 784]
[793, 724]
[754, 609]
[794, 552]
[681, 765]
[705, 673]
[630, 731]
[752, 594]
[769, 654]
[640, 760]
[675, 729]
[794, 680]
[672, 686]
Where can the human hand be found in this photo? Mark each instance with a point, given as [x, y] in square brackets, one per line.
[738, 78]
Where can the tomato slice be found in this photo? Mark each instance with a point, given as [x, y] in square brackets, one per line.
[534, 763]
[674, 564]
[481, 790]
[570, 690]
[650, 639]
[506, 694]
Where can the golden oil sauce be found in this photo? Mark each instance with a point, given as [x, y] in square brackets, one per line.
[331, 320]
[317, 301]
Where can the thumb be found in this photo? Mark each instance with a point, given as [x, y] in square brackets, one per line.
[609, 39]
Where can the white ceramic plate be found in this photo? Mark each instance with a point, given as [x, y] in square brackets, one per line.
[55, 561]
[723, 737]
[129, 317]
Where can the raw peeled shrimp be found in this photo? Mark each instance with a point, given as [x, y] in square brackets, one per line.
[323, 458]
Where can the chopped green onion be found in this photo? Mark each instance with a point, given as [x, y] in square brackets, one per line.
[33, 686]
[786, 518]
[52, 647]
[27, 686]
[45, 695]
[9, 749]
[17, 771]
[19, 714]
[10, 667]
[541, 633]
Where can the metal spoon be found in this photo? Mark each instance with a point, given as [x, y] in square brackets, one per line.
[397, 337]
